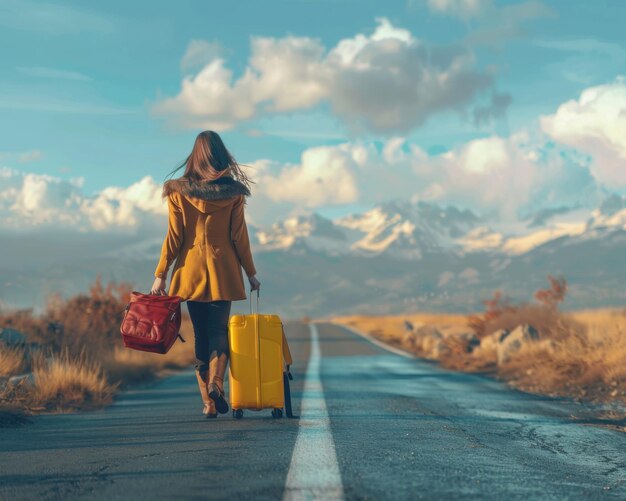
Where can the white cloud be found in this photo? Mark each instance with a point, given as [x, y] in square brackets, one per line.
[325, 176]
[484, 156]
[385, 82]
[39, 200]
[595, 124]
[512, 178]
[124, 207]
[36, 199]
[509, 177]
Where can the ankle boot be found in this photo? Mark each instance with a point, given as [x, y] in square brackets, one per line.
[217, 370]
[216, 392]
[209, 405]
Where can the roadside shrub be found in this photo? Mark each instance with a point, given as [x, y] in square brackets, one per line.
[78, 359]
[12, 360]
[64, 381]
[544, 314]
[591, 366]
[87, 321]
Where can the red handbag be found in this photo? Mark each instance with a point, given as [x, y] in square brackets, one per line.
[151, 322]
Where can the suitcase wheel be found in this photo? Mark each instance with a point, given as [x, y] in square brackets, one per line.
[237, 413]
[277, 413]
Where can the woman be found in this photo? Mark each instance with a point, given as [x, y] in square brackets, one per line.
[208, 237]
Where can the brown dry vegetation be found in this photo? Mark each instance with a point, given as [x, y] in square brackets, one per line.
[76, 355]
[543, 314]
[62, 382]
[12, 360]
[579, 354]
[590, 366]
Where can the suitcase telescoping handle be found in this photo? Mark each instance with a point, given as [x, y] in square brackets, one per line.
[257, 300]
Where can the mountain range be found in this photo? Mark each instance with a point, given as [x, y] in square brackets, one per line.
[396, 257]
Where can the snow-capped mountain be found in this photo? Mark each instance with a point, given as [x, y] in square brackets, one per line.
[408, 231]
[402, 230]
[395, 257]
[312, 231]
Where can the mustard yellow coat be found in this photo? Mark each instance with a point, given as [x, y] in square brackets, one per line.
[208, 238]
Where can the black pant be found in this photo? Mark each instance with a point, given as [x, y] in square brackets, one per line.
[210, 328]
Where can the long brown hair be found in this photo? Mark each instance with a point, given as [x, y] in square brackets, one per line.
[210, 159]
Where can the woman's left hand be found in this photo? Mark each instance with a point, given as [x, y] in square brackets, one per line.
[158, 287]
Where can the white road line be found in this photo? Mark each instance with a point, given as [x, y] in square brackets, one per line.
[382, 345]
[314, 472]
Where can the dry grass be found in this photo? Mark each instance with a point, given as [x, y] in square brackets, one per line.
[82, 322]
[60, 382]
[579, 354]
[85, 360]
[64, 382]
[12, 360]
[591, 366]
[587, 362]
[603, 317]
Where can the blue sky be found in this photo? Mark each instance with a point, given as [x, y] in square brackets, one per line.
[80, 83]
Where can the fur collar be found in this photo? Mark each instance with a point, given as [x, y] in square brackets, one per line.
[224, 187]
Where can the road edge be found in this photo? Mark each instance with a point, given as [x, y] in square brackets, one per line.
[373, 340]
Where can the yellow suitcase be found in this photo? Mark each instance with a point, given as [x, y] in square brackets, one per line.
[259, 364]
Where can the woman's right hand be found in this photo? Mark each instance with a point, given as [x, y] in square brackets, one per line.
[255, 285]
[158, 287]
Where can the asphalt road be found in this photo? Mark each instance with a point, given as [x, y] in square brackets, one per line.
[373, 425]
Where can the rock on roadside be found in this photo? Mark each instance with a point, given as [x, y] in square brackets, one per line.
[469, 341]
[430, 342]
[512, 342]
[410, 337]
[26, 379]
